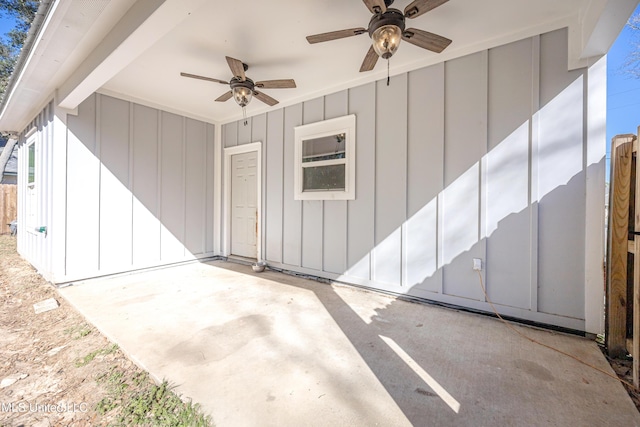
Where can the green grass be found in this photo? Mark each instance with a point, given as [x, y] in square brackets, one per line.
[89, 357]
[79, 331]
[140, 402]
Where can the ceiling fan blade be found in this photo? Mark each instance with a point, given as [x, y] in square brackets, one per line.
[224, 97]
[276, 84]
[335, 35]
[426, 40]
[418, 7]
[265, 98]
[369, 60]
[237, 68]
[372, 5]
[209, 79]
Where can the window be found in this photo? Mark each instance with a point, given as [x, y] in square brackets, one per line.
[325, 160]
[31, 193]
[32, 164]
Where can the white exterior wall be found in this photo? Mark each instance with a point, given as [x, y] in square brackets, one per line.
[139, 188]
[37, 247]
[132, 186]
[497, 155]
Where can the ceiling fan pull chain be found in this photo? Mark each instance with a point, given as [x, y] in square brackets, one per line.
[388, 72]
[244, 115]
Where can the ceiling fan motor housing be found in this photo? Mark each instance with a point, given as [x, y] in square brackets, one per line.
[390, 17]
[236, 82]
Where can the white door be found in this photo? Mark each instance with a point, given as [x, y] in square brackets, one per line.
[244, 204]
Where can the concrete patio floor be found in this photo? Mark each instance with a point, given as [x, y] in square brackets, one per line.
[268, 349]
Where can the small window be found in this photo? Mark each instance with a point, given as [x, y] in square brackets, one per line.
[325, 160]
[31, 199]
[32, 163]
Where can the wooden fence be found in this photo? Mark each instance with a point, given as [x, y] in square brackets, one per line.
[8, 206]
[622, 325]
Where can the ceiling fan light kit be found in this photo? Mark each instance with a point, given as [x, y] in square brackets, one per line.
[387, 28]
[242, 88]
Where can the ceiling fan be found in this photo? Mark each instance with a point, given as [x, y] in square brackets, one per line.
[386, 29]
[243, 88]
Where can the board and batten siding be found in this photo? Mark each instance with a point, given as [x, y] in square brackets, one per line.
[34, 246]
[482, 156]
[139, 188]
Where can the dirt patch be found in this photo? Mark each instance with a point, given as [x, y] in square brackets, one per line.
[58, 370]
[624, 369]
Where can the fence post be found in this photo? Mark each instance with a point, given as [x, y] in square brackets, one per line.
[618, 242]
[635, 351]
[8, 206]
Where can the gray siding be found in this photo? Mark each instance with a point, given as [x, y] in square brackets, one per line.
[425, 174]
[83, 181]
[390, 179]
[146, 206]
[312, 230]
[132, 202]
[478, 157]
[508, 214]
[274, 182]
[361, 218]
[465, 144]
[115, 199]
[292, 209]
[334, 217]
[561, 181]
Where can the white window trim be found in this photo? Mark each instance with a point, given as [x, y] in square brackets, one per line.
[346, 125]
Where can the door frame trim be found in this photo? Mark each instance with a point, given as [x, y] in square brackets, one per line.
[226, 225]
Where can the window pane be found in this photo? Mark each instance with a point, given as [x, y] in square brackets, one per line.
[32, 163]
[323, 178]
[325, 148]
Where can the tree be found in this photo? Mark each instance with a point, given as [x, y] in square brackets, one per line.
[632, 63]
[22, 12]
[6, 154]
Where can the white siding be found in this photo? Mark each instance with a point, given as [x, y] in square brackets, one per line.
[146, 222]
[115, 186]
[37, 247]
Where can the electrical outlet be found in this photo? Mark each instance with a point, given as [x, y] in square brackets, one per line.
[477, 264]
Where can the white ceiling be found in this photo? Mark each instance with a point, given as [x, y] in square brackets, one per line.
[270, 37]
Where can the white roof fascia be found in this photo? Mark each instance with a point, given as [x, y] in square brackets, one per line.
[21, 67]
[597, 29]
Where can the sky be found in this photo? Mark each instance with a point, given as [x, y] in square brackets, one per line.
[623, 91]
[6, 24]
